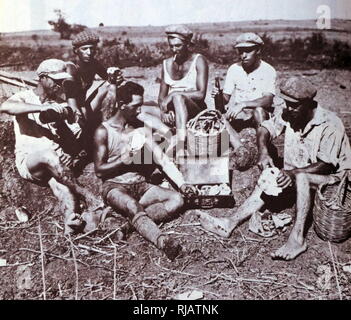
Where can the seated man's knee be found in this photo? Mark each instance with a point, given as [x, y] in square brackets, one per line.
[301, 178]
[50, 159]
[179, 99]
[134, 207]
[176, 202]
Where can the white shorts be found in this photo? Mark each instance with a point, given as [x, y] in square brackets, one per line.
[21, 164]
[22, 156]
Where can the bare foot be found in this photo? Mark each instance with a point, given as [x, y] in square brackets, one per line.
[220, 226]
[73, 223]
[93, 218]
[290, 250]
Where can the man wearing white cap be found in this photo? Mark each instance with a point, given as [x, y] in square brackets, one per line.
[45, 146]
[250, 82]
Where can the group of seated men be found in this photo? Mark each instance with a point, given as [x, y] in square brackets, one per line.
[57, 128]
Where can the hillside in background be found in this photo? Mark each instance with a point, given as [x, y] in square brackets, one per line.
[297, 43]
[145, 33]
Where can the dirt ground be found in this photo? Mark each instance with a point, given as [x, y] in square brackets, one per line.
[101, 267]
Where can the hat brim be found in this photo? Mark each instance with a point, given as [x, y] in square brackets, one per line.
[246, 45]
[288, 98]
[60, 75]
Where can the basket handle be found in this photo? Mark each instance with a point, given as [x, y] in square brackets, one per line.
[336, 197]
[192, 122]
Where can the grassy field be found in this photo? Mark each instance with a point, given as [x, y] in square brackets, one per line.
[296, 43]
[102, 267]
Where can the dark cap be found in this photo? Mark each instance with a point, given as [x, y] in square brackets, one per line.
[297, 89]
[85, 37]
[179, 31]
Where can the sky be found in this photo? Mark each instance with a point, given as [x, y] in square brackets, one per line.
[23, 15]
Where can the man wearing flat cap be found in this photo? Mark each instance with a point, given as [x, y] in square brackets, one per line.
[183, 87]
[83, 74]
[45, 145]
[316, 151]
[250, 83]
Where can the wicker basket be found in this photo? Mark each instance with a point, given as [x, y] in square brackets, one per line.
[201, 144]
[332, 211]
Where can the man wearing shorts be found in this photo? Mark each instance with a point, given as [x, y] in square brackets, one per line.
[120, 160]
[45, 148]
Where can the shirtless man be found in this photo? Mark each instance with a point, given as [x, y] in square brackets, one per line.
[316, 151]
[183, 87]
[117, 158]
[44, 150]
[250, 83]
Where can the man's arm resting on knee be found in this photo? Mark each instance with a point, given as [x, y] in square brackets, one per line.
[319, 167]
[165, 163]
[102, 167]
[264, 103]
[163, 93]
[288, 177]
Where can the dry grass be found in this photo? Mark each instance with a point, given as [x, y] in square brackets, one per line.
[98, 266]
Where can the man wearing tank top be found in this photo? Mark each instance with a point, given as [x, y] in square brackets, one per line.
[183, 88]
[249, 86]
[123, 160]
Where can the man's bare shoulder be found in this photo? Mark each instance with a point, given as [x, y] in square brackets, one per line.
[100, 133]
[201, 60]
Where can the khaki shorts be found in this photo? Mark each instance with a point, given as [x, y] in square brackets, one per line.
[135, 190]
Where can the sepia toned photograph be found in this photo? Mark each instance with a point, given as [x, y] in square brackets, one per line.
[175, 150]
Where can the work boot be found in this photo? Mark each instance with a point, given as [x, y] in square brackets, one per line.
[149, 230]
[169, 246]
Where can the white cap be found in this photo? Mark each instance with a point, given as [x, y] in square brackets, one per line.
[53, 68]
